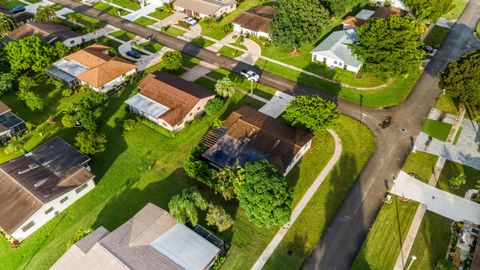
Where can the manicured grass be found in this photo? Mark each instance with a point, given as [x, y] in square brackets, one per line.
[436, 129]
[173, 31]
[110, 42]
[130, 4]
[452, 169]
[111, 9]
[436, 36]
[145, 21]
[230, 52]
[151, 46]
[57, 7]
[160, 14]
[8, 4]
[358, 144]
[392, 95]
[446, 104]
[381, 248]
[84, 19]
[34, 1]
[432, 241]
[189, 61]
[201, 42]
[478, 30]
[421, 164]
[459, 6]
[123, 35]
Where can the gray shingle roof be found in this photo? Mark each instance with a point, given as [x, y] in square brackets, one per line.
[336, 44]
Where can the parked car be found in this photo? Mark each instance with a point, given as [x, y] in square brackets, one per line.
[427, 49]
[250, 75]
[17, 9]
[190, 20]
[134, 54]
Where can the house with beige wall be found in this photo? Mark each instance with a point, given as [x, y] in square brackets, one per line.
[169, 101]
[205, 8]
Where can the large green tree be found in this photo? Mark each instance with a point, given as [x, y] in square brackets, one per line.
[311, 112]
[185, 206]
[30, 53]
[429, 9]
[298, 22]
[90, 142]
[389, 46]
[172, 60]
[45, 14]
[461, 79]
[265, 196]
[6, 24]
[7, 81]
[336, 7]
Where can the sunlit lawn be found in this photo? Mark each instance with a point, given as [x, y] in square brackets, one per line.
[421, 164]
[173, 31]
[122, 35]
[145, 21]
[452, 169]
[160, 14]
[111, 9]
[8, 4]
[459, 6]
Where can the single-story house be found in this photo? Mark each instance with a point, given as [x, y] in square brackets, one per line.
[49, 32]
[361, 17]
[35, 187]
[393, 3]
[335, 53]
[255, 22]
[168, 100]
[92, 66]
[18, 18]
[10, 124]
[151, 240]
[249, 135]
[205, 8]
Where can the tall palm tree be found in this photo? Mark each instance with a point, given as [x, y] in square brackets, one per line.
[225, 87]
[6, 24]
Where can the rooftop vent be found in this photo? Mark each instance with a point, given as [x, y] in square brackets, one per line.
[41, 182]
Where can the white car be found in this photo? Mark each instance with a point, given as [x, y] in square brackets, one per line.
[250, 75]
[190, 20]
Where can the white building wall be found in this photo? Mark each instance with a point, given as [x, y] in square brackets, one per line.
[299, 155]
[218, 13]
[333, 62]
[40, 217]
[72, 42]
[244, 31]
[112, 84]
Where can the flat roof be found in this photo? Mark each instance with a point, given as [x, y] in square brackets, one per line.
[71, 67]
[147, 105]
[186, 248]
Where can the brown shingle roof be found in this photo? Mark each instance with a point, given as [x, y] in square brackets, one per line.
[385, 12]
[106, 72]
[257, 19]
[3, 108]
[351, 20]
[46, 173]
[179, 95]
[91, 56]
[45, 30]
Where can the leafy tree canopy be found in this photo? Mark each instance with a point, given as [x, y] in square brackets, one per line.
[298, 22]
[217, 216]
[90, 142]
[336, 7]
[461, 79]
[265, 196]
[172, 60]
[225, 87]
[313, 113]
[45, 14]
[30, 53]
[7, 81]
[184, 206]
[429, 9]
[389, 46]
[6, 24]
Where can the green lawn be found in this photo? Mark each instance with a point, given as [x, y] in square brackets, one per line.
[436, 129]
[34, 1]
[432, 241]
[358, 144]
[160, 14]
[110, 42]
[382, 246]
[123, 35]
[436, 36]
[189, 61]
[457, 10]
[230, 52]
[151, 46]
[392, 95]
[129, 4]
[84, 19]
[452, 169]
[8, 4]
[145, 21]
[57, 7]
[111, 9]
[421, 164]
[201, 42]
[173, 31]
[446, 104]
[478, 30]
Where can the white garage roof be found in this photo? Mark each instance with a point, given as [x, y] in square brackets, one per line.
[147, 105]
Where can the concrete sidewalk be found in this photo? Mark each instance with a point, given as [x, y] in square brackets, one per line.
[436, 200]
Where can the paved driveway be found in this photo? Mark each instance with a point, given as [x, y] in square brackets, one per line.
[438, 201]
[277, 105]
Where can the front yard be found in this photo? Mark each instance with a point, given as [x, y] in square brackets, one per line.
[436, 36]
[8, 4]
[452, 169]
[111, 9]
[439, 130]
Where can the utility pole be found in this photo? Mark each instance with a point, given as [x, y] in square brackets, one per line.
[411, 262]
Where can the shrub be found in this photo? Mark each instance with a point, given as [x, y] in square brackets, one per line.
[457, 181]
[172, 60]
[218, 217]
[214, 105]
[81, 233]
[183, 24]
[67, 92]
[227, 28]
[197, 169]
[13, 147]
[90, 142]
[184, 206]
[217, 123]
[129, 125]
[68, 121]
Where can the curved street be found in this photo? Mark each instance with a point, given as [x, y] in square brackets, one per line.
[343, 238]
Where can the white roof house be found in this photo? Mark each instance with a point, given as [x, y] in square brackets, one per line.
[364, 14]
[151, 240]
[335, 53]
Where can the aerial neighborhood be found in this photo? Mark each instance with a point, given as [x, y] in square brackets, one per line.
[225, 134]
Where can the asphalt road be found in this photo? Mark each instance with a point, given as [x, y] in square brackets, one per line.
[343, 237]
